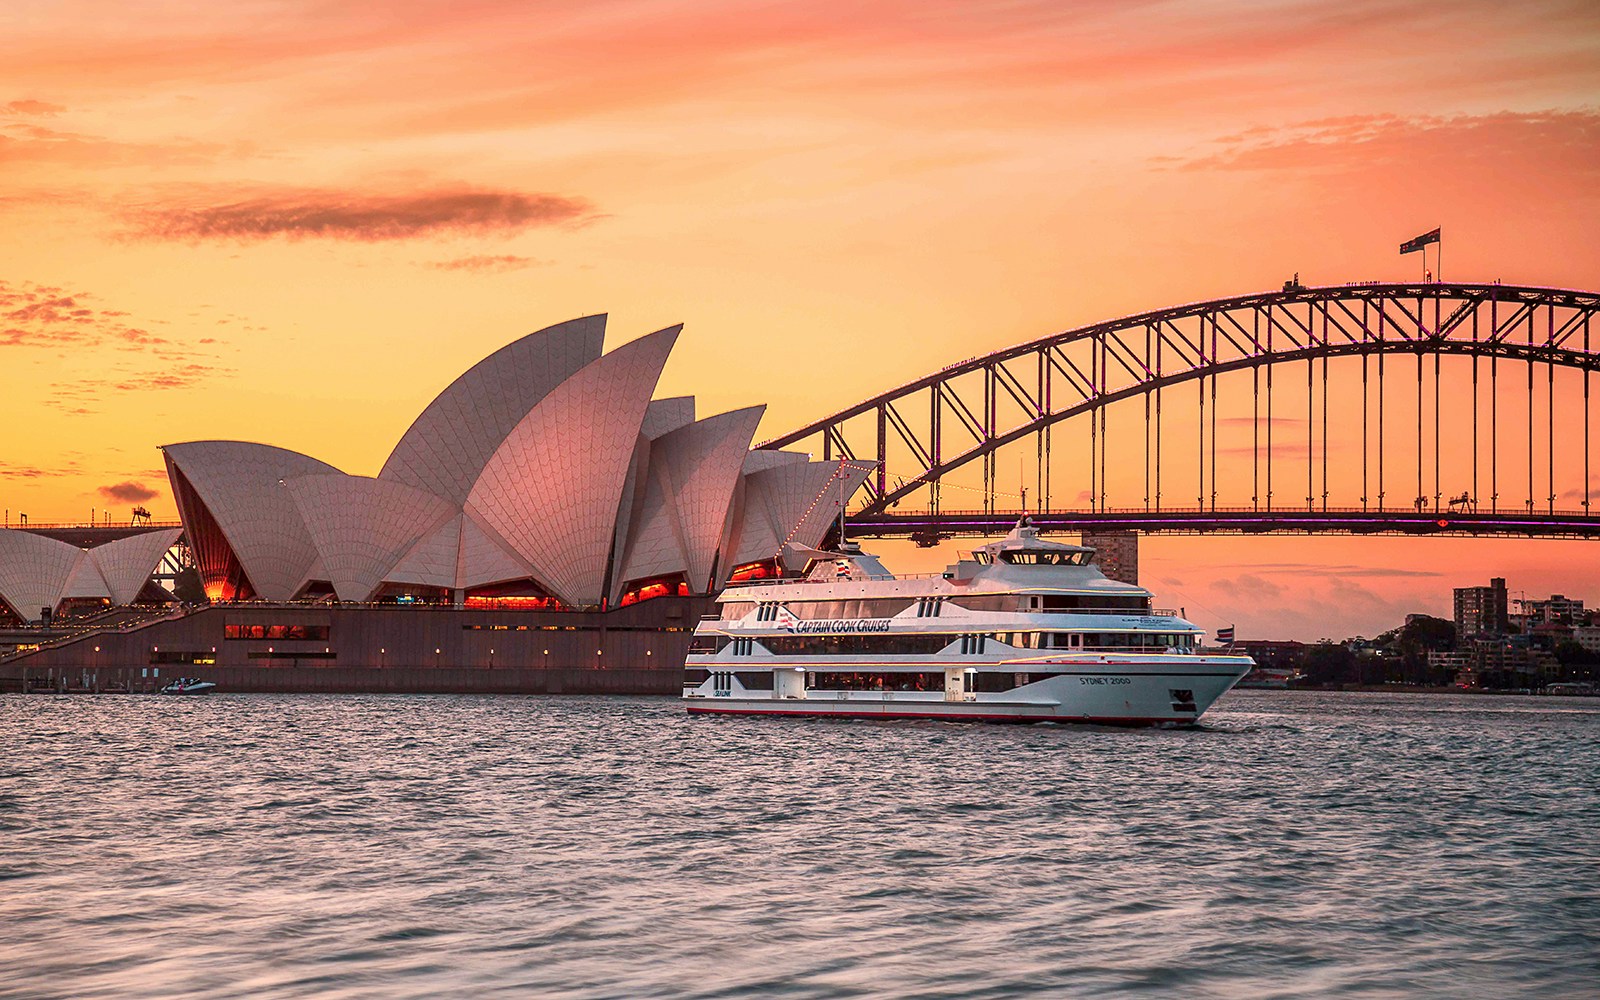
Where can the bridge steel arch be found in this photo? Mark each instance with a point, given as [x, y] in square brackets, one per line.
[966, 412]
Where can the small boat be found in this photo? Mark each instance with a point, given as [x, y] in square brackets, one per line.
[1022, 630]
[189, 685]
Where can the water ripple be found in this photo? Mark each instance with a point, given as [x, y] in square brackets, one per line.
[1296, 845]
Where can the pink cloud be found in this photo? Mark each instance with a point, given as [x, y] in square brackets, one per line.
[361, 217]
[46, 316]
[129, 492]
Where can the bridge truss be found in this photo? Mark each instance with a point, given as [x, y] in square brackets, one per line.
[1434, 388]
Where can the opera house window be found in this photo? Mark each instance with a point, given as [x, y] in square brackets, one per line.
[318, 633]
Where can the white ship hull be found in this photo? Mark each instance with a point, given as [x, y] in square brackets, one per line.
[1093, 694]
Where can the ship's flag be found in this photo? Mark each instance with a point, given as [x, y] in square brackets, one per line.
[786, 619]
[1413, 245]
[1225, 636]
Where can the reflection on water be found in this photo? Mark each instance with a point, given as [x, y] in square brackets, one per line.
[1299, 845]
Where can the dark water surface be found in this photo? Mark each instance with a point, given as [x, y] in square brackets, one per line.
[288, 846]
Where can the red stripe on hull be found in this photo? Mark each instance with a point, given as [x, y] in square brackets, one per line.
[941, 717]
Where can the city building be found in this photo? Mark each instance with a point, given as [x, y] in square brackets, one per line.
[1587, 636]
[1554, 610]
[1278, 653]
[1116, 553]
[544, 524]
[1481, 610]
[1457, 663]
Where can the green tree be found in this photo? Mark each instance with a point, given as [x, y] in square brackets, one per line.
[1330, 663]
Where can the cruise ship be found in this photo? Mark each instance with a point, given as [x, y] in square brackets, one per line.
[1019, 630]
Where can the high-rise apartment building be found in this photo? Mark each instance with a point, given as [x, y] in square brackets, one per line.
[1481, 610]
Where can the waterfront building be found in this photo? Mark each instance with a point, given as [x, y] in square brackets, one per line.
[1513, 662]
[544, 524]
[1458, 664]
[1276, 653]
[1481, 610]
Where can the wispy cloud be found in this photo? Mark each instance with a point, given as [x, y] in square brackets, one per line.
[1326, 570]
[486, 263]
[359, 216]
[47, 316]
[21, 142]
[1368, 143]
[39, 109]
[34, 472]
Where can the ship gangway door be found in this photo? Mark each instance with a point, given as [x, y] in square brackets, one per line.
[789, 683]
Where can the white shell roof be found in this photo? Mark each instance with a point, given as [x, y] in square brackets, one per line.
[126, 564]
[692, 474]
[85, 580]
[554, 486]
[448, 445]
[241, 484]
[485, 557]
[765, 458]
[663, 415]
[432, 560]
[362, 527]
[34, 571]
[786, 504]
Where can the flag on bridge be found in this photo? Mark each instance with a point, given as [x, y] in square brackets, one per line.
[1225, 636]
[1413, 245]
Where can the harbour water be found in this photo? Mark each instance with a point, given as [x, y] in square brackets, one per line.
[1299, 844]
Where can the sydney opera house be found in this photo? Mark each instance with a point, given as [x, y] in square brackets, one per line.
[543, 525]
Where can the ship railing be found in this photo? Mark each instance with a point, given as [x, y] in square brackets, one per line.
[786, 580]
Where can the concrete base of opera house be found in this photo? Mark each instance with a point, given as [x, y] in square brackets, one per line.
[298, 647]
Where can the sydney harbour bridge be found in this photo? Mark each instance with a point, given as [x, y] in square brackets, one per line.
[1421, 408]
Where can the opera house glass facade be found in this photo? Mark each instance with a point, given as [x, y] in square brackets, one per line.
[542, 514]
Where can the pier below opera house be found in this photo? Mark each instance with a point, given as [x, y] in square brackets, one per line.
[354, 648]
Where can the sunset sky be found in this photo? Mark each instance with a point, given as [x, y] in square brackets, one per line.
[294, 222]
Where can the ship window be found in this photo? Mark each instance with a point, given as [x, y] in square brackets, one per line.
[1025, 558]
[754, 680]
[865, 608]
[854, 645]
[844, 680]
[1096, 602]
[992, 602]
[990, 682]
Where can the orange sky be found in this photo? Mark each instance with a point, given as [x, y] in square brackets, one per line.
[294, 222]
